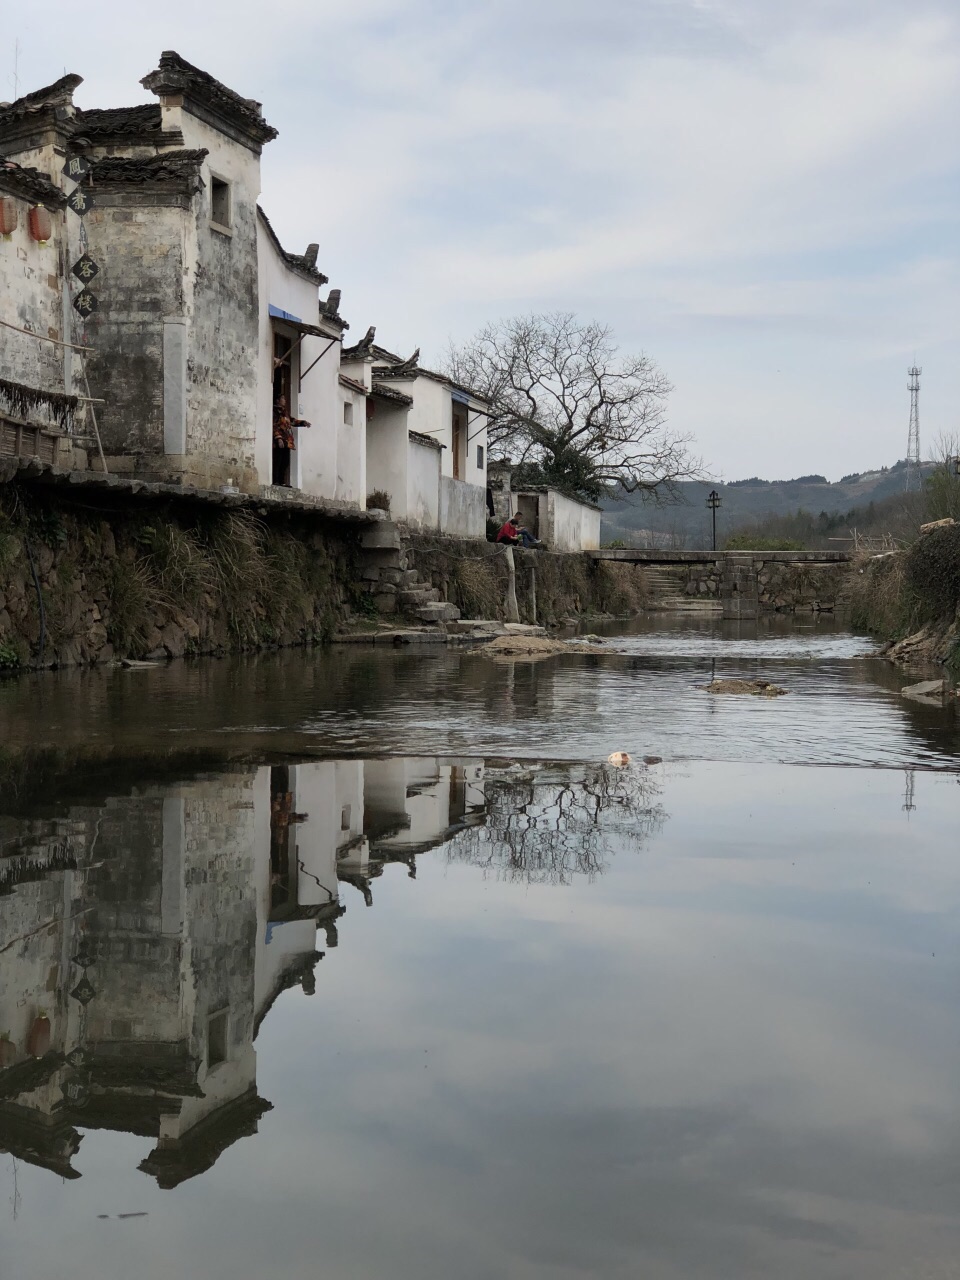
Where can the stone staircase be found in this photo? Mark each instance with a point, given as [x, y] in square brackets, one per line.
[393, 586]
[668, 591]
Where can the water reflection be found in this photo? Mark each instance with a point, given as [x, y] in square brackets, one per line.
[146, 938]
[547, 826]
[639, 693]
[732, 1053]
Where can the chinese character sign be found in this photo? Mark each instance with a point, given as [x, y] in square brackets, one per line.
[76, 167]
[80, 201]
[85, 269]
[86, 302]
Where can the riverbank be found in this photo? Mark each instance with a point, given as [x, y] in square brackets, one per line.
[911, 598]
[97, 572]
[92, 576]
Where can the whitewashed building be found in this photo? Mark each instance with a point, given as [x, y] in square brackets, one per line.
[561, 522]
[426, 441]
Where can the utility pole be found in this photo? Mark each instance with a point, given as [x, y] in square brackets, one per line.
[913, 439]
[713, 501]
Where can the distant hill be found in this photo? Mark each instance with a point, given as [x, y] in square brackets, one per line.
[743, 502]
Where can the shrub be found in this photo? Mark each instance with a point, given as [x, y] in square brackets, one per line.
[378, 500]
[933, 573]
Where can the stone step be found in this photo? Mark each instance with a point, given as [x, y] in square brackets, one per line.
[438, 611]
[383, 536]
[412, 597]
[469, 626]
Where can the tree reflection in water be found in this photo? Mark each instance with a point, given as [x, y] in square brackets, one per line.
[546, 825]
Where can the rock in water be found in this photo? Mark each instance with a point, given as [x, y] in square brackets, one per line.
[755, 688]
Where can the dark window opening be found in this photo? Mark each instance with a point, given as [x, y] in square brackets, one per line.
[282, 361]
[219, 202]
[479, 457]
[217, 1039]
[284, 850]
[459, 443]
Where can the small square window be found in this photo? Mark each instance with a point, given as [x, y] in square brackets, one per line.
[220, 210]
[348, 413]
[217, 1039]
[479, 457]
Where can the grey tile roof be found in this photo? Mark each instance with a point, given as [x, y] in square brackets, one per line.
[29, 184]
[180, 167]
[176, 75]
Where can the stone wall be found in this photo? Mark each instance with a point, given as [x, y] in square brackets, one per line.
[139, 248]
[550, 587]
[163, 577]
[780, 588]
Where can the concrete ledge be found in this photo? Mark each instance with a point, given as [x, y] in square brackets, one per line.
[642, 555]
[34, 471]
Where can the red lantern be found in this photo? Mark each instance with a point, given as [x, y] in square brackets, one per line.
[8, 215]
[38, 1039]
[41, 227]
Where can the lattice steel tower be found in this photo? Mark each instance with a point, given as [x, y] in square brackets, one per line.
[913, 440]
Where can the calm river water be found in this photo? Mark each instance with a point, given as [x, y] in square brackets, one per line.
[363, 964]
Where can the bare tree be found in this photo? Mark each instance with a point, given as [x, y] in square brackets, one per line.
[570, 406]
[547, 826]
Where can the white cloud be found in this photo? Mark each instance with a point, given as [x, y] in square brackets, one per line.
[716, 177]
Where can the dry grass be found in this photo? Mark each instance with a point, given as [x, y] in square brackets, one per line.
[877, 595]
[478, 591]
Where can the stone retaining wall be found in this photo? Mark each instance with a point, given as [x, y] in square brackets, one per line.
[160, 577]
[775, 587]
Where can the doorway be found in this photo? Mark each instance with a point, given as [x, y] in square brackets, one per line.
[528, 504]
[282, 386]
[459, 442]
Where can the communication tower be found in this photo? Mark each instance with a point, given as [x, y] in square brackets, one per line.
[913, 439]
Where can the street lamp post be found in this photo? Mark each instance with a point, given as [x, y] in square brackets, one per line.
[713, 501]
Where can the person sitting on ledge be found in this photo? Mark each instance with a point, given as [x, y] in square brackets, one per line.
[514, 532]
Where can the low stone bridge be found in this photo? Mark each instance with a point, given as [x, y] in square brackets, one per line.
[743, 583]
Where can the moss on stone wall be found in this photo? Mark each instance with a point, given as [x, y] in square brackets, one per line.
[161, 578]
[473, 576]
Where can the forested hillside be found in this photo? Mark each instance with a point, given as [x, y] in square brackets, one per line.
[747, 504]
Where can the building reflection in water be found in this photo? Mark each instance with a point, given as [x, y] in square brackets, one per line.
[144, 939]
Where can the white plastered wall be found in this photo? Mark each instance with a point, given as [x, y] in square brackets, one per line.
[387, 450]
[423, 485]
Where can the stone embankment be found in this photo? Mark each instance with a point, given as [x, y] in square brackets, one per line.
[912, 598]
[90, 576]
[106, 571]
[778, 587]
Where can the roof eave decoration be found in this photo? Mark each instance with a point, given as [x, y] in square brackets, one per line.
[295, 261]
[209, 99]
[51, 96]
[30, 184]
[410, 375]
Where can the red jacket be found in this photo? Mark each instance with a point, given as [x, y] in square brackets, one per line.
[508, 533]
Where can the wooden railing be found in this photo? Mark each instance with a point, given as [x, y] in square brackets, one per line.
[27, 440]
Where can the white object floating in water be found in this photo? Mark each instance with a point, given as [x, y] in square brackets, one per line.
[619, 758]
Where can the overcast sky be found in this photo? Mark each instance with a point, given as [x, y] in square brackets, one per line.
[761, 196]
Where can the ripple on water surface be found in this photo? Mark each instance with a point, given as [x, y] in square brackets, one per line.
[640, 691]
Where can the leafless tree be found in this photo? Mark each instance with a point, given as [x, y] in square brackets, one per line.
[567, 403]
[548, 827]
